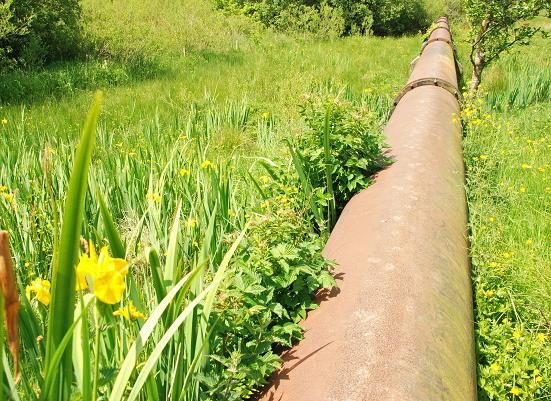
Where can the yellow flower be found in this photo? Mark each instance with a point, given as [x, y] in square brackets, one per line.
[515, 390]
[539, 379]
[129, 312]
[265, 115]
[536, 372]
[192, 223]
[528, 242]
[496, 367]
[522, 190]
[540, 337]
[483, 157]
[105, 274]
[506, 255]
[153, 196]
[206, 164]
[517, 334]
[8, 197]
[3, 188]
[264, 179]
[493, 264]
[525, 166]
[4, 121]
[184, 172]
[41, 288]
[477, 121]
[27, 264]
[489, 293]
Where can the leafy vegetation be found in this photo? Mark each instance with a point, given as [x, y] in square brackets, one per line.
[36, 31]
[194, 240]
[507, 154]
[331, 18]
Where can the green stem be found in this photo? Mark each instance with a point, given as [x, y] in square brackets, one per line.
[96, 352]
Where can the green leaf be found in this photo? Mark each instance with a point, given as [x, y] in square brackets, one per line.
[62, 305]
[115, 242]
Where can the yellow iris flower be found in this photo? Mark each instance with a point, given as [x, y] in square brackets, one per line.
[129, 312]
[105, 275]
[41, 288]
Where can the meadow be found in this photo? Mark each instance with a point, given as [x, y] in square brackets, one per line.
[508, 159]
[203, 214]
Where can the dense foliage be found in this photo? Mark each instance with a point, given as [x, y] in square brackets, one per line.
[335, 17]
[37, 31]
[353, 144]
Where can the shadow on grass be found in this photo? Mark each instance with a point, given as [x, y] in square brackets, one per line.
[65, 78]
[57, 80]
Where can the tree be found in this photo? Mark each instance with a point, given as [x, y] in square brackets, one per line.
[497, 26]
[37, 31]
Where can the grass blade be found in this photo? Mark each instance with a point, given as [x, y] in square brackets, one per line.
[115, 242]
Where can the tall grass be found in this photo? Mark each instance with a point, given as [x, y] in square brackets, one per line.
[513, 83]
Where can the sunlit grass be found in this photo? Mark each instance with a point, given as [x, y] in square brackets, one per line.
[508, 159]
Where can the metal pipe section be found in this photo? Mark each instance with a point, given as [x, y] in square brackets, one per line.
[401, 325]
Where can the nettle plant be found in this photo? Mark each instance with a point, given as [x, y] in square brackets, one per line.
[340, 151]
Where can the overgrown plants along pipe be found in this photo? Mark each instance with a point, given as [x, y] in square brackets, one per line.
[401, 327]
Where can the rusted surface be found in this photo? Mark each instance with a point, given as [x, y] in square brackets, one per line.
[400, 327]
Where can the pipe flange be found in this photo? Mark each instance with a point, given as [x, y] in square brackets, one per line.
[440, 27]
[428, 42]
[441, 83]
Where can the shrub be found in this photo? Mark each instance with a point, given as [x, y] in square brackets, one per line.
[398, 17]
[387, 17]
[38, 31]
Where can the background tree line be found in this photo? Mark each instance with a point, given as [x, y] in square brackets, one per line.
[335, 17]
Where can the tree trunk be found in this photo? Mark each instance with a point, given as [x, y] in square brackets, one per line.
[478, 58]
[478, 67]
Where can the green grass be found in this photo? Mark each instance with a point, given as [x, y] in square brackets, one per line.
[508, 159]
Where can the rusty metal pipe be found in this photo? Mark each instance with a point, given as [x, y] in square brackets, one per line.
[401, 327]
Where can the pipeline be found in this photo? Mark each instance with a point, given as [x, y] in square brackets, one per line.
[401, 325]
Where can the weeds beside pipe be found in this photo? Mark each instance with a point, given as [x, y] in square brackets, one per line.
[401, 327]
